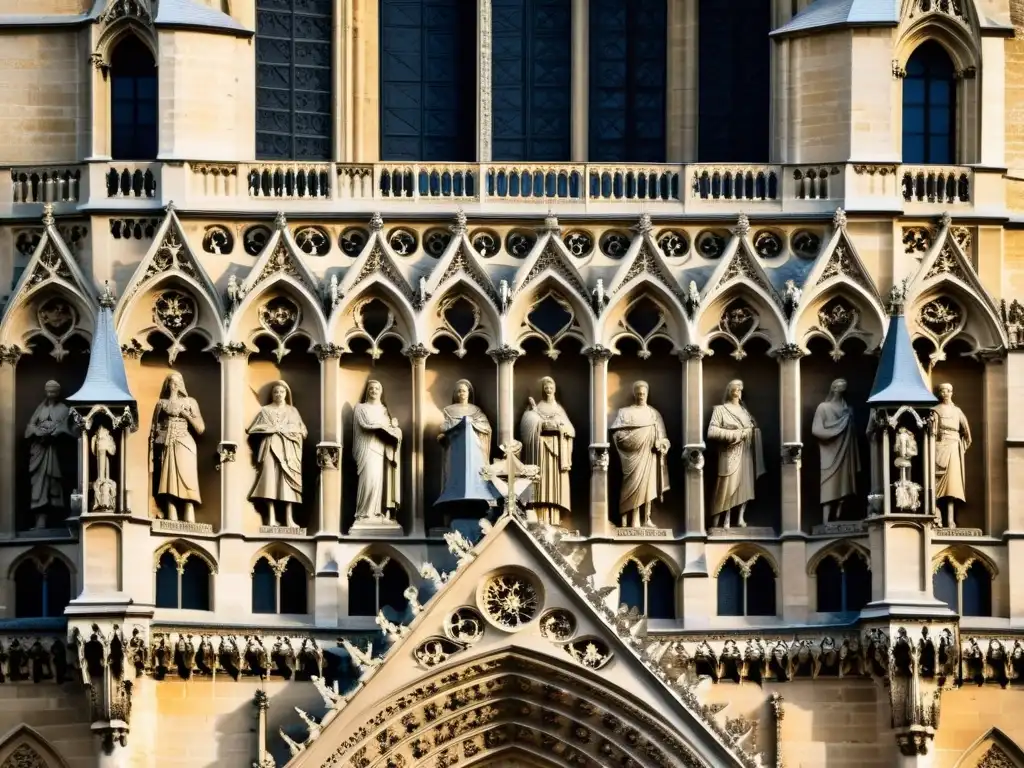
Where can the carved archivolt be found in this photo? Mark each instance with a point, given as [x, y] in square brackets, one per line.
[277, 557]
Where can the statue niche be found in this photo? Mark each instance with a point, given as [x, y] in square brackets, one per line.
[740, 456]
[173, 458]
[104, 490]
[48, 430]
[833, 427]
[279, 431]
[642, 443]
[952, 440]
[376, 448]
[547, 438]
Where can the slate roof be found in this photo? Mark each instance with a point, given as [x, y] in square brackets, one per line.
[838, 13]
[192, 13]
[106, 382]
[899, 379]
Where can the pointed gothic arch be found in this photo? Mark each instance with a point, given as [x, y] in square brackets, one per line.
[345, 324]
[993, 748]
[841, 311]
[24, 747]
[182, 550]
[550, 282]
[614, 319]
[487, 325]
[718, 318]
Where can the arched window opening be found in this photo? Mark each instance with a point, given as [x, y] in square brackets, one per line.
[182, 580]
[280, 585]
[628, 65]
[264, 587]
[929, 106]
[531, 75]
[133, 101]
[734, 88]
[427, 81]
[294, 54]
[964, 583]
[195, 585]
[746, 587]
[946, 587]
[829, 576]
[632, 587]
[661, 592]
[167, 581]
[376, 582]
[976, 591]
[843, 585]
[857, 581]
[294, 588]
[42, 588]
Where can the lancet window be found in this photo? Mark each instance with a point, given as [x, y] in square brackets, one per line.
[628, 63]
[531, 75]
[183, 580]
[293, 79]
[279, 585]
[964, 584]
[42, 587]
[133, 101]
[929, 106]
[649, 587]
[746, 587]
[376, 582]
[427, 80]
[843, 582]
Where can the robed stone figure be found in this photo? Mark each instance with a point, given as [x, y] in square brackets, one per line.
[740, 456]
[376, 448]
[175, 417]
[547, 438]
[281, 432]
[462, 407]
[837, 442]
[46, 430]
[642, 443]
[952, 439]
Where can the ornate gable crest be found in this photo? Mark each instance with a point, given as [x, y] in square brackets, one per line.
[170, 254]
[839, 260]
[550, 254]
[647, 260]
[136, 10]
[377, 258]
[460, 258]
[281, 257]
[741, 264]
[947, 262]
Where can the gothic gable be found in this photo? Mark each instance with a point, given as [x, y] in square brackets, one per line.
[839, 262]
[648, 263]
[739, 264]
[281, 259]
[550, 256]
[522, 655]
[460, 260]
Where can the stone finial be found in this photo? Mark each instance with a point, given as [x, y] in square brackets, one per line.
[461, 223]
[839, 219]
[742, 227]
[897, 298]
[945, 220]
[644, 225]
[280, 221]
[551, 223]
[170, 207]
[376, 222]
[106, 297]
[48, 214]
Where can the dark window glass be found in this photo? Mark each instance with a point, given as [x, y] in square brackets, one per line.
[427, 80]
[294, 588]
[133, 101]
[734, 81]
[393, 583]
[58, 588]
[661, 593]
[761, 589]
[293, 79]
[531, 80]
[730, 590]
[167, 582]
[830, 586]
[631, 588]
[362, 591]
[977, 591]
[628, 64]
[28, 590]
[858, 583]
[945, 586]
[195, 585]
[929, 106]
[264, 588]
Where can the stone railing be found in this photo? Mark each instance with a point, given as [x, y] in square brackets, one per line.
[679, 189]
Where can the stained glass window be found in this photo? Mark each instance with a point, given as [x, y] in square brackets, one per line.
[293, 79]
[428, 81]
[532, 80]
[628, 64]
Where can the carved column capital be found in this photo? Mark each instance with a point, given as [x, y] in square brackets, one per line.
[328, 456]
[226, 451]
[132, 350]
[328, 351]
[506, 353]
[261, 700]
[416, 352]
[789, 351]
[598, 353]
[691, 352]
[792, 453]
[10, 354]
[229, 350]
[599, 457]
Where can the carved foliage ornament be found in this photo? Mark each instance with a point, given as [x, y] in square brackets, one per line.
[50, 266]
[940, 321]
[947, 263]
[510, 600]
[171, 255]
[590, 652]
[838, 322]
[175, 314]
[739, 324]
[280, 318]
[57, 321]
[674, 243]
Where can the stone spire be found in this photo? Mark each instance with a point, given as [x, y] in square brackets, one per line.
[899, 379]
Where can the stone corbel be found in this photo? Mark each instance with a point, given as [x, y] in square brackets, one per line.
[792, 453]
[226, 451]
[693, 455]
[102, 664]
[100, 64]
[599, 457]
[328, 456]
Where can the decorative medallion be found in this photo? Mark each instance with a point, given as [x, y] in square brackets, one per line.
[805, 244]
[57, 320]
[466, 626]
[352, 241]
[519, 243]
[175, 314]
[510, 600]
[486, 243]
[27, 240]
[579, 243]
[615, 243]
[674, 243]
[254, 239]
[218, 240]
[711, 244]
[590, 652]
[436, 242]
[767, 244]
[739, 324]
[279, 316]
[558, 625]
[313, 241]
[402, 241]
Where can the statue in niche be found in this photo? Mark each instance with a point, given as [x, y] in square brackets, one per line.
[642, 442]
[547, 437]
[740, 456]
[104, 489]
[837, 443]
[281, 432]
[46, 430]
[463, 406]
[908, 493]
[175, 417]
[376, 445]
[952, 439]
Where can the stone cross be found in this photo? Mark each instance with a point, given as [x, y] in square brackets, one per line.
[516, 475]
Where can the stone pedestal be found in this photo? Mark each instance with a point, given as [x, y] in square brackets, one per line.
[282, 530]
[179, 526]
[838, 528]
[735, 532]
[382, 528]
[643, 533]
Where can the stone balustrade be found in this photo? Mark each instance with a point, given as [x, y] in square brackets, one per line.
[677, 189]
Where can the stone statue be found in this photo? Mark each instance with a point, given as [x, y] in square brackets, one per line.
[463, 406]
[104, 488]
[47, 428]
[175, 417]
[547, 437]
[376, 444]
[837, 442]
[642, 442]
[907, 491]
[280, 430]
[740, 456]
[952, 439]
